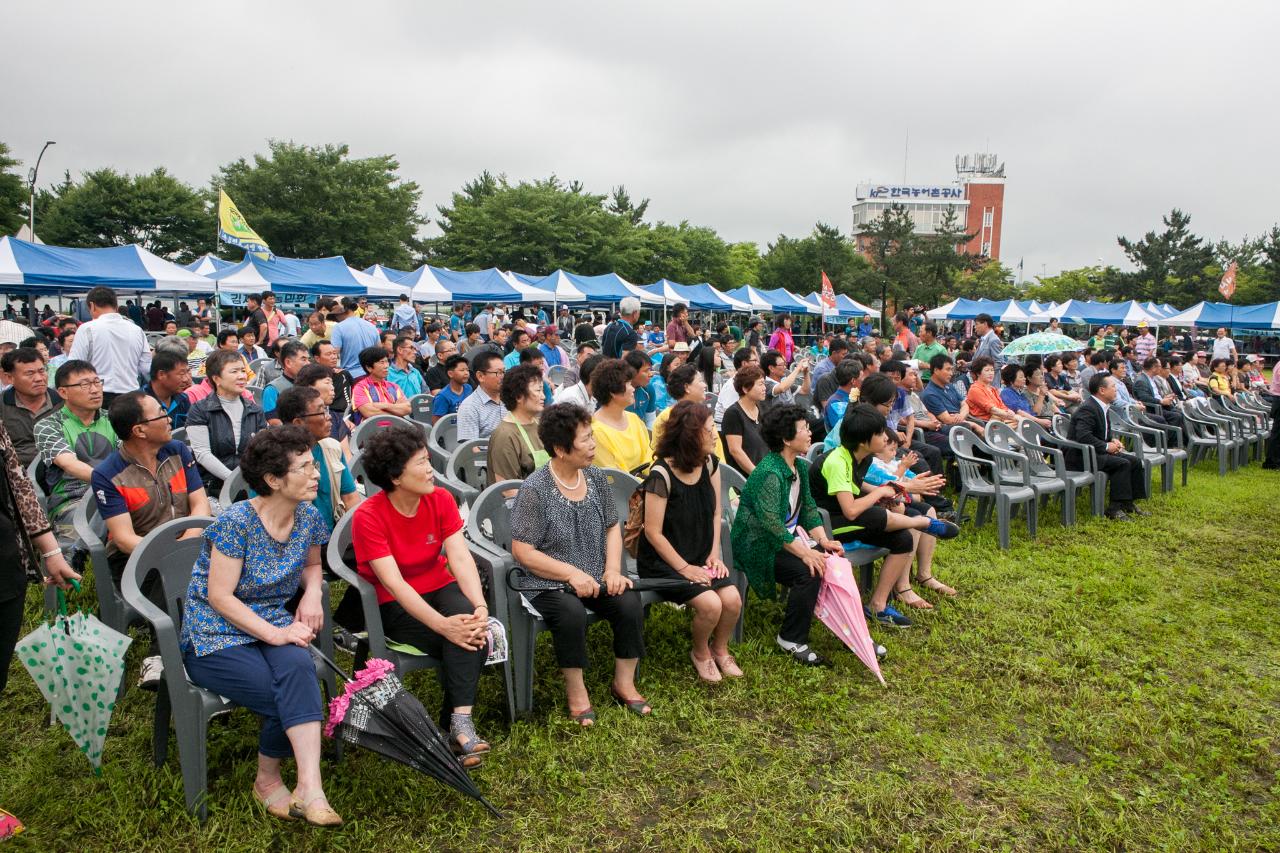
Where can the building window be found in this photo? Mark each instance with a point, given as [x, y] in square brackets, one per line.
[988, 217]
[986, 248]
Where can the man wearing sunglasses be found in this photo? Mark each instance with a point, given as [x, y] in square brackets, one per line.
[71, 442]
[151, 479]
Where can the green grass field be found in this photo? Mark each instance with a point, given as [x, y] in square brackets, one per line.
[1107, 687]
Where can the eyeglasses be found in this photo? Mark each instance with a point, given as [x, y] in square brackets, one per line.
[86, 384]
[160, 417]
[319, 414]
[308, 467]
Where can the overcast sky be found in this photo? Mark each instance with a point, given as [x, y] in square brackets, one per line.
[753, 118]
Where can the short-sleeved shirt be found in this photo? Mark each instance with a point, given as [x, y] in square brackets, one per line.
[835, 408]
[369, 390]
[511, 448]
[350, 336]
[1014, 401]
[983, 399]
[618, 339]
[478, 415]
[415, 542]
[646, 401]
[179, 406]
[62, 432]
[446, 402]
[574, 532]
[901, 410]
[941, 398]
[828, 477]
[924, 354]
[346, 485]
[737, 423]
[410, 380]
[269, 576]
[121, 485]
[628, 450]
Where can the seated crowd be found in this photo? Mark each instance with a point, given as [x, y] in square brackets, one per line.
[863, 467]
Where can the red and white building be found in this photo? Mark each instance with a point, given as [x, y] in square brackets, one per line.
[976, 196]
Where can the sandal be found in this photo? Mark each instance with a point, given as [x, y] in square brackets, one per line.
[728, 666]
[586, 718]
[276, 803]
[937, 586]
[638, 706]
[471, 751]
[915, 601]
[314, 814]
[706, 669]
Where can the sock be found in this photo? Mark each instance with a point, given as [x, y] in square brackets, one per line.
[788, 646]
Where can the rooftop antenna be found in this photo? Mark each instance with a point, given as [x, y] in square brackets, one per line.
[906, 145]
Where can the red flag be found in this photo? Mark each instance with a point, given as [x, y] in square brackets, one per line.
[828, 293]
[1228, 286]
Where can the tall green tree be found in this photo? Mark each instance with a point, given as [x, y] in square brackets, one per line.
[1085, 283]
[989, 280]
[13, 193]
[311, 202]
[891, 246]
[744, 264]
[1171, 265]
[797, 264]
[109, 208]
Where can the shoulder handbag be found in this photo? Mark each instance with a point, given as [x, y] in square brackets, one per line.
[634, 527]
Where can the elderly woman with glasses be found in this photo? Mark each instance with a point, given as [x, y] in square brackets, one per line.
[239, 638]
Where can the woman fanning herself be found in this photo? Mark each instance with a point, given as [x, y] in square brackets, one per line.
[240, 641]
[409, 545]
[564, 531]
[681, 538]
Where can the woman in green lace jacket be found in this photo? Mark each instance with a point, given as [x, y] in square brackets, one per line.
[778, 536]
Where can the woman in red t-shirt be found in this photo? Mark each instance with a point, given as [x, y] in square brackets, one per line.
[409, 545]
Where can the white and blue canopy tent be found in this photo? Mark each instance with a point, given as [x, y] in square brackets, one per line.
[1003, 310]
[611, 288]
[437, 284]
[846, 308]
[749, 295]
[208, 263]
[786, 302]
[378, 271]
[1129, 313]
[1205, 314]
[35, 268]
[1265, 316]
[300, 277]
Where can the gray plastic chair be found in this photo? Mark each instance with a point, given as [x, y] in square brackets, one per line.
[180, 434]
[1015, 459]
[34, 471]
[1144, 443]
[1037, 438]
[257, 391]
[356, 467]
[369, 426]
[862, 559]
[443, 440]
[375, 644]
[420, 408]
[980, 478]
[162, 552]
[1209, 435]
[815, 451]
[234, 489]
[1252, 424]
[92, 532]
[1172, 444]
[468, 467]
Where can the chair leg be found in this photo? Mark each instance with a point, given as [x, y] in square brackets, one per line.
[193, 755]
[1069, 505]
[523, 639]
[508, 684]
[741, 583]
[1099, 494]
[1184, 472]
[160, 725]
[1033, 518]
[984, 511]
[960, 503]
[1002, 522]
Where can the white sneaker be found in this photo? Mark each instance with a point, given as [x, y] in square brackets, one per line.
[152, 669]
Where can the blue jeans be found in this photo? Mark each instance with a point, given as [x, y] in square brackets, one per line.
[278, 683]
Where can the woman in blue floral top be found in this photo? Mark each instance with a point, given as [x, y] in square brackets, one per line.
[238, 638]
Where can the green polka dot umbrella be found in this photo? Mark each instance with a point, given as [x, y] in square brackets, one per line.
[77, 662]
[1041, 343]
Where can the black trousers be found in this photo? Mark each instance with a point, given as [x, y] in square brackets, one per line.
[790, 571]
[930, 455]
[459, 668]
[10, 625]
[1273, 444]
[566, 616]
[152, 588]
[1124, 473]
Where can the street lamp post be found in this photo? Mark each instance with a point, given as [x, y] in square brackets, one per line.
[31, 208]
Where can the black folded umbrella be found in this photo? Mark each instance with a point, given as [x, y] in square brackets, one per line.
[385, 718]
[518, 580]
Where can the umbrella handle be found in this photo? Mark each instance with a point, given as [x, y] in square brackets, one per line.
[333, 666]
[62, 596]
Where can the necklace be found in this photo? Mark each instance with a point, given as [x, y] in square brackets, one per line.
[562, 483]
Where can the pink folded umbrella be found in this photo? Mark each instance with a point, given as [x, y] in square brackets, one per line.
[840, 609]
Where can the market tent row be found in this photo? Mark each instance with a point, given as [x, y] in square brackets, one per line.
[1004, 310]
[1211, 314]
[1129, 313]
[846, 308]
[438, 284]
[313, 276]
[702, 297]
[33, 268]
[572, 289]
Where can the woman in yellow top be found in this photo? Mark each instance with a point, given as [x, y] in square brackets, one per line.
[622, 440]
[1219, 379]
[684, 383]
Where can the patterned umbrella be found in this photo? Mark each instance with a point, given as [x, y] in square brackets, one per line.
[1042, 343]
[77, 662]
[840, 609]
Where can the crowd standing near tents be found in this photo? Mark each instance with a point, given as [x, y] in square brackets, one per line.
[569, 448]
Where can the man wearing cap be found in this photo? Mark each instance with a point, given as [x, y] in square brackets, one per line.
[1224, 347]
[1144, 346]
[552, 352]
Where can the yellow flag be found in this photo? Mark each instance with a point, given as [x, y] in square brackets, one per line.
[233, 230]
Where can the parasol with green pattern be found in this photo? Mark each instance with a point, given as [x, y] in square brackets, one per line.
[1041, 343]
[78, 663]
